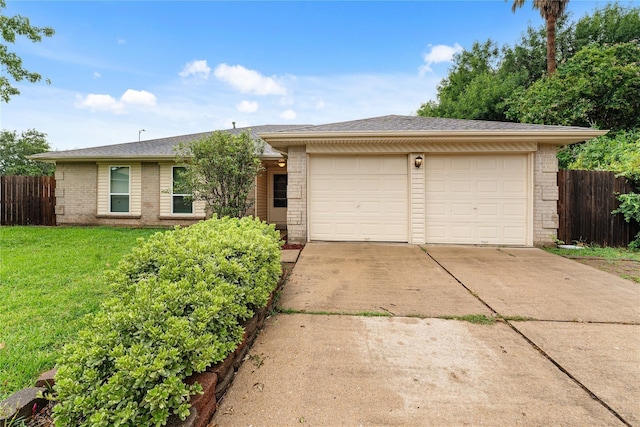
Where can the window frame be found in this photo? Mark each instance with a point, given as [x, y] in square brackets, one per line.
[111, 193]
[174, 195]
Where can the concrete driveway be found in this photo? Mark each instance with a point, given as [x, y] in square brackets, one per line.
[370, 337]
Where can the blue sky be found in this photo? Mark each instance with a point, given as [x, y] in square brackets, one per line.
[180, 67]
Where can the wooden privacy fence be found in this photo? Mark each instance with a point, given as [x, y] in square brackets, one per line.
[586, 201]
[27, 200]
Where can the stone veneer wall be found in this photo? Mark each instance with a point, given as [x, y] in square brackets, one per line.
[545, 195]
[297, 195]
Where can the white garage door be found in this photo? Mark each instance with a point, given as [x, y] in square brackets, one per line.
[358, 198]
[476, 199]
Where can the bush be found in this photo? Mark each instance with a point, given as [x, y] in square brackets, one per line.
[178, 302]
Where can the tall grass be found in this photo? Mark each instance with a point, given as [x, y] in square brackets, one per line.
[50, 278]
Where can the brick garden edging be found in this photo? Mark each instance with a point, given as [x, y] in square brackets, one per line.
[215, 380]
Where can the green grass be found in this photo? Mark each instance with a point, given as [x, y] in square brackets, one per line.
[598, 252]
[50, 278]
[478, 319]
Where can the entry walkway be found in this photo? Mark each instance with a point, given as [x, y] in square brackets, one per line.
[369, 336]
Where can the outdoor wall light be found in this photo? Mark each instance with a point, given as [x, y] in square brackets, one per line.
[282, 163]
[418, 161]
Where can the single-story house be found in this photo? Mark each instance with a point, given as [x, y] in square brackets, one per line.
[384, 179]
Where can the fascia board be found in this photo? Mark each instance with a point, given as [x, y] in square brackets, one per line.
[556, 137]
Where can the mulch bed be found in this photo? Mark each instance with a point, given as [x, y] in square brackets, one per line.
[44, 418]
[292, 246]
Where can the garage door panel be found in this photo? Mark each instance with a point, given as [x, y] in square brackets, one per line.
[488, 210]
[518, 164]
[368, 196]
[395, 208]
[344, 207]
[394, 165]
[370, 184]
[462, 186]
[487, 164]
[460, 164]
[488, 186]
[517, 187]
[461, 209]
[476, 199]
[369, 165]
[518, 212]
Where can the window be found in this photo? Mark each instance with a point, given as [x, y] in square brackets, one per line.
[280, 190]
[180, 199]
[119, 189]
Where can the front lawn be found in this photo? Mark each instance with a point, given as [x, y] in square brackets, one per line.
[50, 278]
[619, 261]
[598, 252]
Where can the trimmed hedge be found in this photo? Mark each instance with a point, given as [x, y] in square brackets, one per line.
[179, 298]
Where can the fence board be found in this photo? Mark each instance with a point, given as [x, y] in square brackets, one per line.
[27, 200]
[586, 201]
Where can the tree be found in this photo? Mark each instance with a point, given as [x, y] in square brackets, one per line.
[220, 169]
[609, 25]
[14, 150]
[10, 27]
[551, 11]
[530, 51]
[477, 86]
[598, 86]
[617, 152]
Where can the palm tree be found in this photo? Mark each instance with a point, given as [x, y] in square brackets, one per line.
[551, 11]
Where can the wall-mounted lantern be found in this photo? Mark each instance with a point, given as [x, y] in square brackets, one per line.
[418, 161]
[282, 163]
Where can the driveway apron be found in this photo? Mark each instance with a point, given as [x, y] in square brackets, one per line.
[330, 359]
[532, 283]
[395, 279]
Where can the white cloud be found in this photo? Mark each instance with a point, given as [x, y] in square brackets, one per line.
[73, 121]
[100, 102]
[120, 40]
[198, 68]
[439, 53]
[96, 75]
[288, 115]
[139, 97]
[248, 81]
[320, 105]
[103, 102]
[247, 107]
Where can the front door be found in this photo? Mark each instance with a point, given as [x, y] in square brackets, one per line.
[277, 198]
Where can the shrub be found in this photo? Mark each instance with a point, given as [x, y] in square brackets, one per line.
[178, 300]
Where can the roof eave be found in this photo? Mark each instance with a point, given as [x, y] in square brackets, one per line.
[86, 158]
[279, 140]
